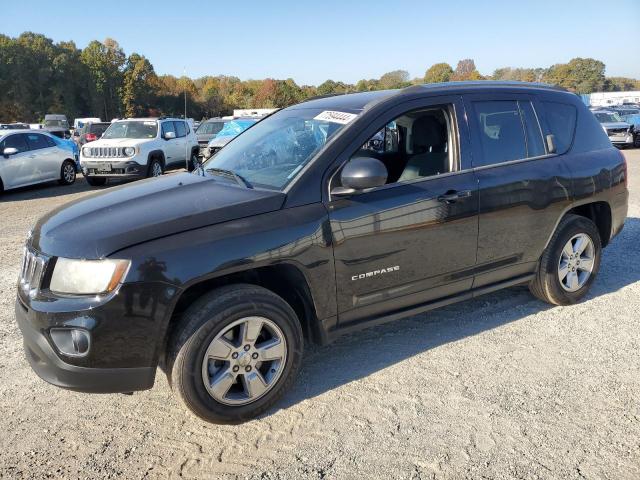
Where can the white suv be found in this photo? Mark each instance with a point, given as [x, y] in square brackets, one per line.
[139, 147]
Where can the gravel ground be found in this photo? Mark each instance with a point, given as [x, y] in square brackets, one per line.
[499, 387]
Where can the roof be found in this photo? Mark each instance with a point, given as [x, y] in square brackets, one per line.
[359, 101]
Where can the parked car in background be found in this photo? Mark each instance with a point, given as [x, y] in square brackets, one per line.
[230, 130]
[137, 148]
[619, 132]
[28, 157]
[57, 125]
[90, 132]
[78, 123]
[207, 130]
[14, 126]
[634, 121]
[298, 232]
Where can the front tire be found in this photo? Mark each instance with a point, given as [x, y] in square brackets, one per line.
[234, 353]
[67, 173]
[570, 262]
[155, 168]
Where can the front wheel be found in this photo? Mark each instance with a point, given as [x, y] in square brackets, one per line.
[235, 352]
[570, 262]
[67, 173]
[155, 168]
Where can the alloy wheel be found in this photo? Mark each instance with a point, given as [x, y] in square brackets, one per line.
[69, 173]
[156, 170]
[576, 262]
[244, 361]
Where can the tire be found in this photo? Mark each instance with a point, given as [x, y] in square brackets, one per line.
[67, 173]
[550, 284]
[96, 181]
[155, 168]
[194, 161]
[226, 310]
[636, 141]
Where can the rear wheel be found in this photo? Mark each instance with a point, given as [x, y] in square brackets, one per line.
[570, 262]
[67, 173]
[236, 351]
[155, 168]
[96, 181]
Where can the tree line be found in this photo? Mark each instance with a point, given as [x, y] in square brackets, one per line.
[39, 76]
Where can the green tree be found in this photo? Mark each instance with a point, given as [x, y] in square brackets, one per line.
[395, 79]
[105, 62]
[138, 86]
[580, 75]
[440, 72]
[466, 70]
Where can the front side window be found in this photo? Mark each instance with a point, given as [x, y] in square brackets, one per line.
[18, 141]
[132, 129]
[36, 141]
[417, 144]
[168, 127]
[273, 151]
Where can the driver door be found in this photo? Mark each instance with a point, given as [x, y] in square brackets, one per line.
[15, 169]
[409, 242]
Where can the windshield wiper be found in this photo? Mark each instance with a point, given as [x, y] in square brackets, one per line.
[239, 179]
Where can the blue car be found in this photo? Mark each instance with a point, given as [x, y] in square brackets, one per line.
[634, 121]
[71, 146]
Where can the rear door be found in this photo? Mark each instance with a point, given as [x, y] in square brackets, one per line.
[523, 188]
[15, 169]
[43, 157]
[408, 242]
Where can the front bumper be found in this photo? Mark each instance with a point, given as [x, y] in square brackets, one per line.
[49, 366]
[117, 168]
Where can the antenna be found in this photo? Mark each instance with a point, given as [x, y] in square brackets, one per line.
[186, 143]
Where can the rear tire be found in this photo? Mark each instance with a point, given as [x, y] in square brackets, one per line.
[96, 181]
[570, 263]
[67, 173]
[253, 382]
[194, 161]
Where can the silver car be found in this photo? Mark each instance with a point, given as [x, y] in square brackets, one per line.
[28, 157]
[619, 132]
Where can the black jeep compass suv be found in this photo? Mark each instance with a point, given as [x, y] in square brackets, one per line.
[326, 217]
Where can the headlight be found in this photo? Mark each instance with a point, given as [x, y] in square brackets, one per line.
[86, 151]
[87, 277]
[129, 151]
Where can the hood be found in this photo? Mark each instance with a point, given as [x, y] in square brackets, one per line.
[99, 225]
[609, 125]
[221, 141]
[119, 142]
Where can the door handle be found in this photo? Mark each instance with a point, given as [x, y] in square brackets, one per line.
[451, 196]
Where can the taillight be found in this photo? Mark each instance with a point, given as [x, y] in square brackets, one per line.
[90, 137]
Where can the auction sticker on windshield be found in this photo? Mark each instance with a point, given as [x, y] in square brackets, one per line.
[335, 117]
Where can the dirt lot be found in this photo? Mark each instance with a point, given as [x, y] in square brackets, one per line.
[499, 387]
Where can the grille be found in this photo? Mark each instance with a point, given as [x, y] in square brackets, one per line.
[33, 268]
[617, 131]
[106, 152]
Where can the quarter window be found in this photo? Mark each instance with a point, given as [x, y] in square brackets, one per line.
[561, 119]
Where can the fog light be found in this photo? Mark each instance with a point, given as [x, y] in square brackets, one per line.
[73, 342]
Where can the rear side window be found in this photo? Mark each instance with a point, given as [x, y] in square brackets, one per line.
[535, 146]
[501, 133]
[15, 141]
[36, 141]
[181, 129]
[561, 119]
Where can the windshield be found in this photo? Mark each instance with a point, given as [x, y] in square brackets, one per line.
[210, 128]
[270, 153]
[234, 127]
[608, 117]
[132, 129]
[56, 123]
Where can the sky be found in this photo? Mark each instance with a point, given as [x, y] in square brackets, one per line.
[311, 41]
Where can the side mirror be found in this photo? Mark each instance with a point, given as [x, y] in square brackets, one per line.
[9, 151]
[359, 174]
[169, 135]
[551, 143]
